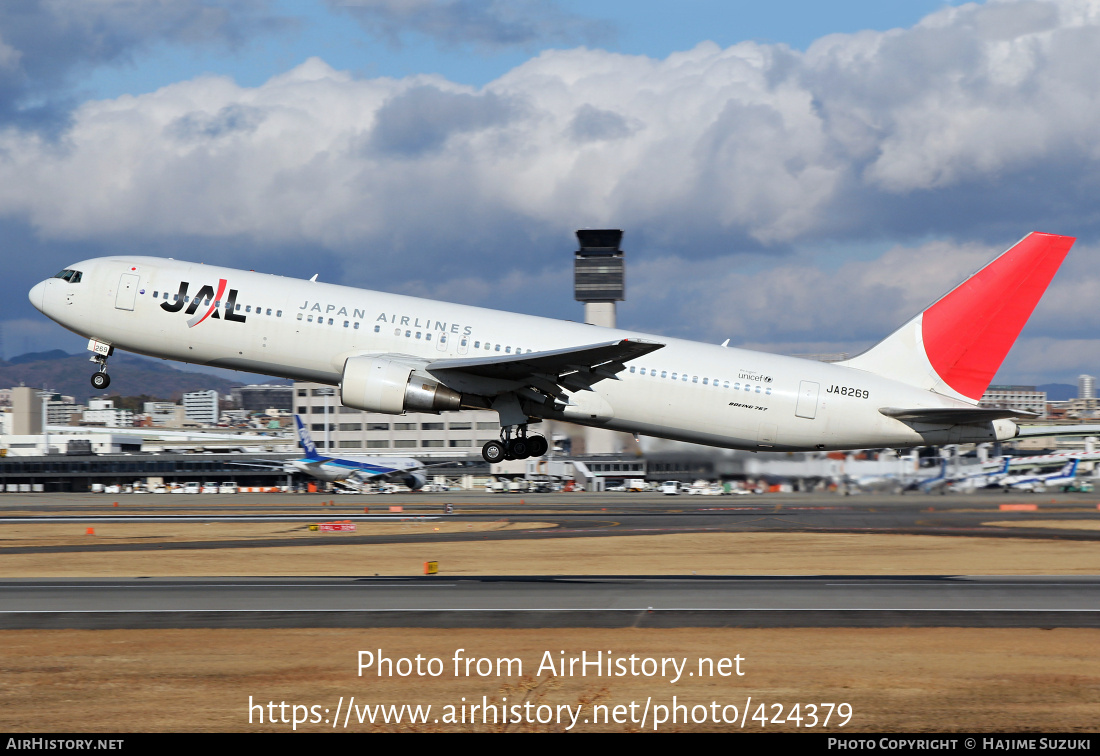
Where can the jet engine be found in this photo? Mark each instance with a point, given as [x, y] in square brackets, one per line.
[378, 384]
[414, 480]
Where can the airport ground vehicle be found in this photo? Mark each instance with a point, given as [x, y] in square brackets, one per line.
[671, 487]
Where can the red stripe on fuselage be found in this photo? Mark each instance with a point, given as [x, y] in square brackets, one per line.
[968, 333]
[213, 305]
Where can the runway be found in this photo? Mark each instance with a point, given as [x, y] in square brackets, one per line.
[580, 601]
[551, 601]
[573, 515]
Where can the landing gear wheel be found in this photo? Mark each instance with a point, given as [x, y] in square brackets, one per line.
[493, 452]
[100, 380]
[518, 448]
[537, 446]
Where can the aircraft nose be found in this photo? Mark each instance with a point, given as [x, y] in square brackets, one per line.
[37, 295]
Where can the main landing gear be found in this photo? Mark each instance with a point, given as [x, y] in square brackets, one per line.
[521, 446]
[100, 379]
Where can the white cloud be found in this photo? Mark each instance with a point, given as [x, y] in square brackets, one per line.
[796, 306]
[757, 142]
[978, 123]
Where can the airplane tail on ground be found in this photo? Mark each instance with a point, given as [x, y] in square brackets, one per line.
[956, 346]
[306, 440]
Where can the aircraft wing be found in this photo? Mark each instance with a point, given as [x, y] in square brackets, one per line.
[952, 415]
[543, 374]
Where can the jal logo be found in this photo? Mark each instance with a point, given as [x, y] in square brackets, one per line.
[208, 299]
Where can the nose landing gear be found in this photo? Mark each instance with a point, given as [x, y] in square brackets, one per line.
[100, 379]
[521, 446]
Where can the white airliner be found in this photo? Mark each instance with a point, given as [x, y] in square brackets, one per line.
[1064, 477]
[391, 353]
[350, 469]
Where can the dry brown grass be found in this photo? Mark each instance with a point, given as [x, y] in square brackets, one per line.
[896, 680]
[1055, 524]
[677, 554]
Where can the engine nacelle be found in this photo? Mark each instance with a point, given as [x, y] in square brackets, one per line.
[414, 480]
[378, 384]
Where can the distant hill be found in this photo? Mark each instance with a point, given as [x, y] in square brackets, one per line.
[1059, 392]
[130, 376]
[53, 354]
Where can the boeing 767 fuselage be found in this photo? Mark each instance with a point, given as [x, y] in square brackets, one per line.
[390, 353]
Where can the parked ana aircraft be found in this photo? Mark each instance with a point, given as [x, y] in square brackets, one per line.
[352, 469]
[1063, 477]
[392, 354]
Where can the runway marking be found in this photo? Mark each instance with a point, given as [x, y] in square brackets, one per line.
[961, 585]
[645, 609]
[30, 519]
[159, 586]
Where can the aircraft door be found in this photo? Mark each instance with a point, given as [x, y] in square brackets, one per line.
[807, 400]
[463, 344]
[127, 292]
[441, 342]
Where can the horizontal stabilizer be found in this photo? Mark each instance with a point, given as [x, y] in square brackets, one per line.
[954, 416]
[1040, 431]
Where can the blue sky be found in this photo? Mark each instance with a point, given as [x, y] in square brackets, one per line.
[655, 28]
[798, 177]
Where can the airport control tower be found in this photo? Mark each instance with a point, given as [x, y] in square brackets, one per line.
[599, 282]
[598, 275]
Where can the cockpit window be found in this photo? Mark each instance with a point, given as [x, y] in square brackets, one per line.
[72, 276]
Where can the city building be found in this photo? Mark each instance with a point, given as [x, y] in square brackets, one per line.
[60, 410]
[164, 413]
[262, 397]
[26, 411]
[201, 407]
[1027, 398]
[1086, 387]
[103, 412]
